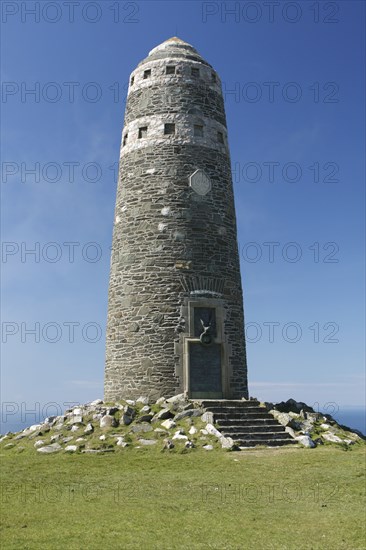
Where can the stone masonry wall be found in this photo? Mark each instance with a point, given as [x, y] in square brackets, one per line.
[169, 241]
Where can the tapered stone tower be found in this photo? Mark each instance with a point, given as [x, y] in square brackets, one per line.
[175, 315]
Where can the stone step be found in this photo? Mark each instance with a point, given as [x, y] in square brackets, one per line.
[248, 422]
[232, 404]
[259, 436]
[243, 410]
[241, 415]
[236, 428]
[267, 443]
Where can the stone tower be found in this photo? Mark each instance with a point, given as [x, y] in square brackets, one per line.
[175, 315]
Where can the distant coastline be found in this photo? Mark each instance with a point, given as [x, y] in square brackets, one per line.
[352, 417]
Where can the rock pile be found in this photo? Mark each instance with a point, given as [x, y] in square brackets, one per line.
[99, 427]
[311, 428]
[175, 424]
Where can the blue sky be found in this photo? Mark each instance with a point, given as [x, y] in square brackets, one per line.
[294, 89]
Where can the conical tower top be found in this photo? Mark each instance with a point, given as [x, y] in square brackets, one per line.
[174, 47]
[171, 44]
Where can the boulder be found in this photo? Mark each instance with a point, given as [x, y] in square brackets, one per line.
[39, 443]
[332, 438]
[143, 399]
[128, 415]
[147, 441]
[180, 397]
[290, 431]
[228, 443]
[71, 448]
[76, 419]
[294, 406]
[168, 444]
[163, 414]
[178, 402]
[59, 426]
[141, 428]
[286, 419]
[160, 401]
[108, 421]
[95, 403]
[187, 413]
[306, 441]
[126, 420]
[210, 429]
[168, 424]
[207, 417]
[146, 418]
[112, 410]
[192, 430]
[50, 419]
[189, 444]
[89, 429]
[121, 442]
[178, 435]
[145, 409]
[31, 429]
[207, 447]
[53, 448]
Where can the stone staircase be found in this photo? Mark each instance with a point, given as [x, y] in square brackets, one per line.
[247, 423]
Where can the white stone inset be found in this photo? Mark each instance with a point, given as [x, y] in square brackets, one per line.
[200, 183]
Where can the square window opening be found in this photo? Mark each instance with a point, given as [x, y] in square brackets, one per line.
[147, 73]
[125, 139]
[142, 132]
[198, 130]
[169, 128]
[195, 72]
[132, 80]
[170, 69]
[220, 137]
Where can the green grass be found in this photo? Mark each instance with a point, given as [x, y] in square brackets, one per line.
[287, 498]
